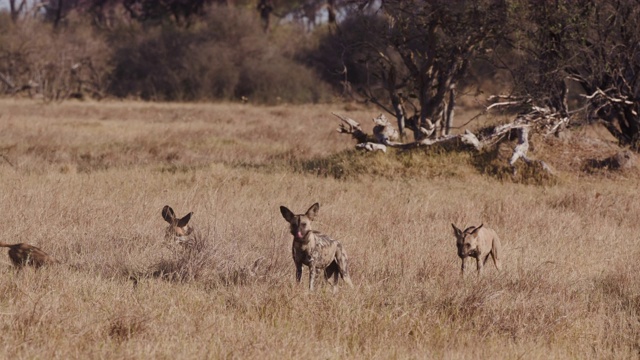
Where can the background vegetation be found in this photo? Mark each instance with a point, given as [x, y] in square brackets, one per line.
[224, 55]
[411, 59]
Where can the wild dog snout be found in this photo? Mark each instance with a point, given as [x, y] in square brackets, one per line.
[300, 228]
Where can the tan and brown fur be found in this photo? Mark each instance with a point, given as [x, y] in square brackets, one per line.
[479, 243]
[179, 231]
[28, 255]
[314, 249]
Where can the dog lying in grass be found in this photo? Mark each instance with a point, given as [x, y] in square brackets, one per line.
[179, 231]
[28, 255]
[479, 243]
[314, 249]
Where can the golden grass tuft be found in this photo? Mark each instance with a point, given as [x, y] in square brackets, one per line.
[495, 163]
[568, 288]
[427, 163]
[124, 328]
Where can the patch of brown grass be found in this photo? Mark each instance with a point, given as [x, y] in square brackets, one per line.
[568, 289]
[125, 327]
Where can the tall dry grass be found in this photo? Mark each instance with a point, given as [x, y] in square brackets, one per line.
[87, 182]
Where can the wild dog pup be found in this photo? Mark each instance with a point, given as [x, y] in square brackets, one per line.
[477, 242]
[314, 249]
[24, 254]
[179, 230]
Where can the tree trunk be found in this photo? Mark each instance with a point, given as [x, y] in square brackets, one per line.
[15, 11]
[448, 120]
[396, 99]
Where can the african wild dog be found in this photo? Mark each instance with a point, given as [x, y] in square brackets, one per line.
[179, 231]
[24, 254]
[477, 242]
[314, 249]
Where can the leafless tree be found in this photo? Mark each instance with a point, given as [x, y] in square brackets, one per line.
[594, 44]
[416, 52]
[415, 55]
[16, 8]
[605, 62]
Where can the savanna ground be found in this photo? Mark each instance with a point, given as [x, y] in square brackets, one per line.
[87, 181]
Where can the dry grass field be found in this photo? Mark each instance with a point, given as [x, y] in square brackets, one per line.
[86, 182]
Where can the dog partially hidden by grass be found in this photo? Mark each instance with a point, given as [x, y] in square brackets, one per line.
[314, 249]
[24, 254]
[179, 231]
[479, 243]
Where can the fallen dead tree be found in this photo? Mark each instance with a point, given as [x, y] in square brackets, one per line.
[534, 119]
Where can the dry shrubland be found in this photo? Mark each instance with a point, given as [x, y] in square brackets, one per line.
[86, 182]
[224, 56]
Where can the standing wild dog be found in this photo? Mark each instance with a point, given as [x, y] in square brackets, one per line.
[314, 249]
[478, 242]
[24, 254]
[179, 230]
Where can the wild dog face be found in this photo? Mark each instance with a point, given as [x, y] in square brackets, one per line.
[300, 224]
[467, 240]
[179, 230]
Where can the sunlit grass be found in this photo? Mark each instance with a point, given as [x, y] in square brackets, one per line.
[568, 288]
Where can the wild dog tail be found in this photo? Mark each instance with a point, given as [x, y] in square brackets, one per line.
[342, 260]
[495, 252]
[5, 244]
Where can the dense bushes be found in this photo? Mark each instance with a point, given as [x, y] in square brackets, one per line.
[224, 56]
[35, 60]
[346, 54]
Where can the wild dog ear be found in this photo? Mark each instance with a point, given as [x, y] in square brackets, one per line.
[476, 229]
[457, 232]
[168, 215]
[185, 220]
[313, 211]
[286, 213]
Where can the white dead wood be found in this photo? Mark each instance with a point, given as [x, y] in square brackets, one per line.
[608, 99]
[369, 146]
[471, 139]
[539, 119]
[600, 93]
[347, 123]
[351, 127]
[432, 126]
[385, 135]
[426, 142]
[420, 133]
[543, 119]
[496, 101]
[384, 132]
[520, 151]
